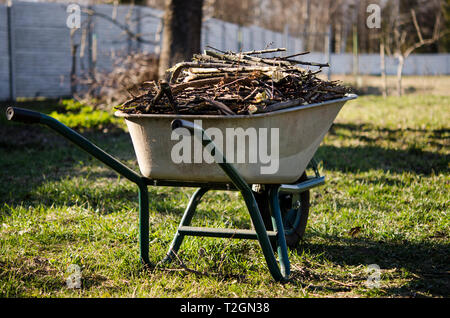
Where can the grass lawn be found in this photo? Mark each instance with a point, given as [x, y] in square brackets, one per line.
[387, 169]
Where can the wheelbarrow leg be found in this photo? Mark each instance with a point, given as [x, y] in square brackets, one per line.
[278, 273]
[144, 225]
[277, 223]
[185, 221]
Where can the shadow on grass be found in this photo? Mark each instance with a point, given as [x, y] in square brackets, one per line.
[43, 167]
[366, 127]
[378, 91]
[39, 166]
[369, 156]
[424, 265]
[33, 151]
[366, 158]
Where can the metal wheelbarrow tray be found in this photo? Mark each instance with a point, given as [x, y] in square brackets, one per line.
[278, 202]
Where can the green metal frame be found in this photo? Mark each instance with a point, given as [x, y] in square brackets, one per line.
[280, 272]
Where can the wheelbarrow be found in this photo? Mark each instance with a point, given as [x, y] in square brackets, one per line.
[277, 201]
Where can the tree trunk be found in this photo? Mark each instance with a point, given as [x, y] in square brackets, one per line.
[181, 32]
[73, 69]
[401, 63]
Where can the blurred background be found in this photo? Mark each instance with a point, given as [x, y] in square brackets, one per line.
[102, 49]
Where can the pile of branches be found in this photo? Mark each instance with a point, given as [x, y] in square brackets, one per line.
[229, 83]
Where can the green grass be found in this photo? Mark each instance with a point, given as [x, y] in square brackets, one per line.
[78, 115]
[387, 168]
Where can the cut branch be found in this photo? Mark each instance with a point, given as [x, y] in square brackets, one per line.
[237, 84]
[264, 51]
[221, 106]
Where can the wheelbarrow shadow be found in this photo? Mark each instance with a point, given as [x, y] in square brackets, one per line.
[368, 155]
[34, 160]
[424, 263]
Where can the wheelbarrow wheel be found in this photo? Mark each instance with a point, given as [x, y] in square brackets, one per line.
[294, 211]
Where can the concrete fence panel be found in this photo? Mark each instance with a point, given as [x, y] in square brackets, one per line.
[40, 49]
[150, 28]
[4, 54]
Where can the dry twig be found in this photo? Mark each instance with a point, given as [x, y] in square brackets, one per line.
[236, 84]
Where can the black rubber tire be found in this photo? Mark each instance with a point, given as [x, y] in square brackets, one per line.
[293, 233]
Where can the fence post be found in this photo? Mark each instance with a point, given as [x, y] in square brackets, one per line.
[11, 55]
[383, 68]
[448, 64]
[158, 36]
[252, 38]
[355, 52]
[239, 38]
[205, 30]
[328, 49]
[263, 37]
[286, 40]
[92, 44]
[223, 36]
[138, 27]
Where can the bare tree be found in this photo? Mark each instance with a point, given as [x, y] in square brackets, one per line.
[129, 66]
[403, 33]
[182, 32]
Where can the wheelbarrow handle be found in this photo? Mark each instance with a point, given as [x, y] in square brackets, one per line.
[195, 130]
[30, 117]
[23, 115]
[180, 123]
